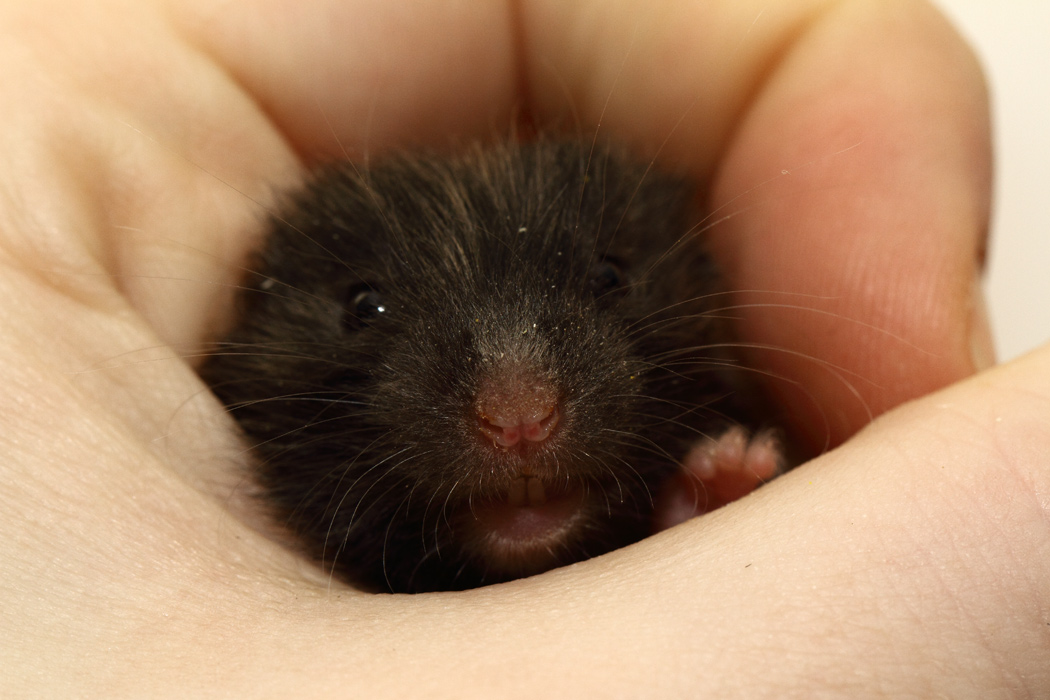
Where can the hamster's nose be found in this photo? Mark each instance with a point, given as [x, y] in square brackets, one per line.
[507, 429]
[516, 406]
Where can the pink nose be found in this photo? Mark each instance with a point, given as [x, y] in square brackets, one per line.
[508, 428]
[515, 405]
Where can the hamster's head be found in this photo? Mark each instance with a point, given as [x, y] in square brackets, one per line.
[461, 371]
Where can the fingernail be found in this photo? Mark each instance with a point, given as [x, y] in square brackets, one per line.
[982, 347]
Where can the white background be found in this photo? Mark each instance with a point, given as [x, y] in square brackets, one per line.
[1012, 38]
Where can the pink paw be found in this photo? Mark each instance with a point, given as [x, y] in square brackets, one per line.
[717, 471]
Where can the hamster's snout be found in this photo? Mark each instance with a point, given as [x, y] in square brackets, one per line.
[516, 405]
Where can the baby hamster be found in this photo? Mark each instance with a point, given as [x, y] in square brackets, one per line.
[456, 371]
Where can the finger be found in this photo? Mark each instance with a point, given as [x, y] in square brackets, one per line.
[847, 146]
[166, 145]
[874, 220]
[883, 356]
[138, 171]
[353, 78]
[914, 558]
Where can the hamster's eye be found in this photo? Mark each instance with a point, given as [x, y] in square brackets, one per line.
[606, 276]
[363, 305]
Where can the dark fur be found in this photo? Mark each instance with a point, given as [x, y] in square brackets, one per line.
[364, 431]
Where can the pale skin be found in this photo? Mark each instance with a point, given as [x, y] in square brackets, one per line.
[142, 139]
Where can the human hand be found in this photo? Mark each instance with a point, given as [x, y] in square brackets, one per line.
[144, 139]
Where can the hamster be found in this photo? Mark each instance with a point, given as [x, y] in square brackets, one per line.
[456, 371]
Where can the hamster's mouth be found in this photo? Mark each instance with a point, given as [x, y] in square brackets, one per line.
[526, 530]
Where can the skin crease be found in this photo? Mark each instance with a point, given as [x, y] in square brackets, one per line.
[910, 562]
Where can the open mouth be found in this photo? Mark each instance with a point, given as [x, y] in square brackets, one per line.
[526, 529]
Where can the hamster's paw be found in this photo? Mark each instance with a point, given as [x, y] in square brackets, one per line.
[717, 471]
